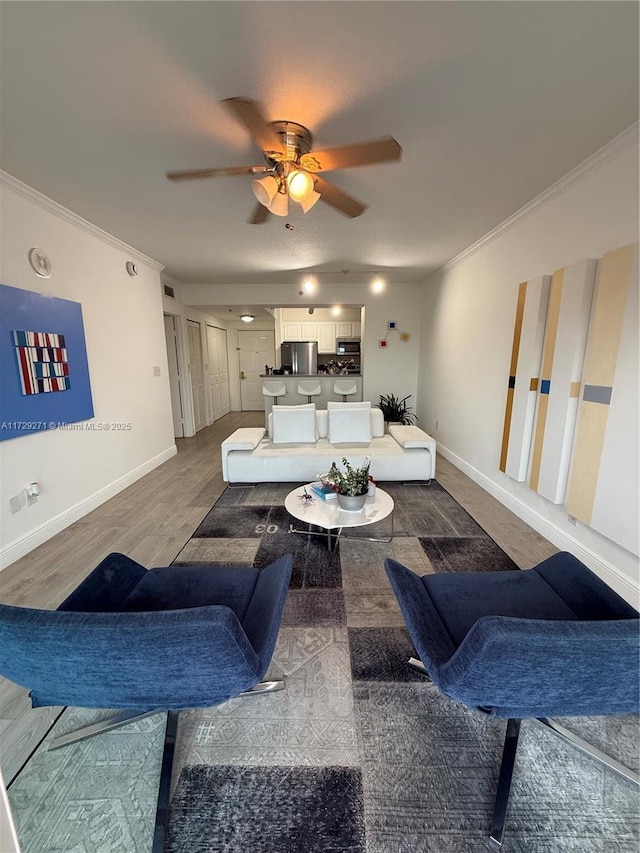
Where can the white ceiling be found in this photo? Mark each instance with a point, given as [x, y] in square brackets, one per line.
[491, 101]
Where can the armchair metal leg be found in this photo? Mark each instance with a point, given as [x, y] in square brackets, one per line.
[102, 726]
[164, 790]
[591, 750]
[504, 781]
[264, 687]
[171, 730]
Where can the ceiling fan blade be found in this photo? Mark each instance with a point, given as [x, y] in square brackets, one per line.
[358, 154]
[260, 214]
[249, 113]
[192, 174]
[343, 202]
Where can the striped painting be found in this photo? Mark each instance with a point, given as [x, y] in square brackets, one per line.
[42, 362]
[565, 339]
[603, 482]
[528, 333]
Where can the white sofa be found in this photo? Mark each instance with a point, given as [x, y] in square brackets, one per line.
[250, 454]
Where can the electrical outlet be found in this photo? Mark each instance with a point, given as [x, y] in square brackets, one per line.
[572, 520]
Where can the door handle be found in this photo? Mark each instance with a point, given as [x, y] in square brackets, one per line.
[242, 376]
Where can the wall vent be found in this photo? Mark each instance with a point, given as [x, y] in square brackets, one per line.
[169, 291]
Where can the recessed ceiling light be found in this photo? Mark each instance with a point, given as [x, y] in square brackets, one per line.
[309, 285]
[247, 318]
[377, 285]
[336, 310]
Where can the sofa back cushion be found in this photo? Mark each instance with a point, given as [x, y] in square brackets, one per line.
[349, 423]
[294, 424]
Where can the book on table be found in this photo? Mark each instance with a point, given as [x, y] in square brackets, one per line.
[322, 491]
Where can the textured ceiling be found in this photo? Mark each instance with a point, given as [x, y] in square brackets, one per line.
[491, 102]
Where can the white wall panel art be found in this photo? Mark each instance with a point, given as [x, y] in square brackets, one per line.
[603, 482]
[524, 374]
[569, 307]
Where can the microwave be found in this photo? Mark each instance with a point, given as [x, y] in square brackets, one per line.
[348, 347]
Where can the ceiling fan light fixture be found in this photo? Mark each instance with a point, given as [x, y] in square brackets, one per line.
[300, 185]
[308, 202]
[265, 189]
[247, 318]
[279, 204]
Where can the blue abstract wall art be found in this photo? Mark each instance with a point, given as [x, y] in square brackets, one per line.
[42, 350]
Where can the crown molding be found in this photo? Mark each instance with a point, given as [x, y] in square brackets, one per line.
[629, 137]
[51, 206]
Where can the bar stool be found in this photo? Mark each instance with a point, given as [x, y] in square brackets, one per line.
[311, 389]
[275, 390]
[346, 387]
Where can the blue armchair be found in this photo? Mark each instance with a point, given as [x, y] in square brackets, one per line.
[148, 641]
[554, 640]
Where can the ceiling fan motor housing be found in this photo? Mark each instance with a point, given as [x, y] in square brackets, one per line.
[296, 139]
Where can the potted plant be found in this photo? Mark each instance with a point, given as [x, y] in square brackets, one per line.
[352, 486]
[396, 411]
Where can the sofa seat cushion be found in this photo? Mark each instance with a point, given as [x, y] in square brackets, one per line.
[385, 453]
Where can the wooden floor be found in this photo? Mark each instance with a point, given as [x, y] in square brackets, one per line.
[151, 521]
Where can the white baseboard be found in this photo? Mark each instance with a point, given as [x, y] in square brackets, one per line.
[621, 583]
[18, 548]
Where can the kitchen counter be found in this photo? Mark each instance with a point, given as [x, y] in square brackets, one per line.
[326, 380]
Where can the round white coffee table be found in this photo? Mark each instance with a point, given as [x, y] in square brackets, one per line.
[332, 519]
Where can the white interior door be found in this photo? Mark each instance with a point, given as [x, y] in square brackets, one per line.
[256, 350]
[171, 336]
[218, 371]
[196, 373]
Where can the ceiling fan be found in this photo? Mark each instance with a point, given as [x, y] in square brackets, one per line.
[292, 167]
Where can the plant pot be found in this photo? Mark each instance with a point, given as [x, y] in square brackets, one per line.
[351, 503]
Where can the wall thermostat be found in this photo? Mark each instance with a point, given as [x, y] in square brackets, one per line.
[132, 268]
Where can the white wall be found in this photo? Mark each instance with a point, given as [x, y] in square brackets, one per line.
[386, 371]
[78, 470]
[467, 329]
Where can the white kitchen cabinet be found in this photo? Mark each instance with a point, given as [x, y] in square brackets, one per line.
[326, 338]
[309, 331]
[345, 329]
[292, 332]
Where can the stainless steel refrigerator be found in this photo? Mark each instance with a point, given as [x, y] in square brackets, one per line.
[299, 356]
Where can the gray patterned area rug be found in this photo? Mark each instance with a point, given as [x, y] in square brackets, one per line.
[358, 754]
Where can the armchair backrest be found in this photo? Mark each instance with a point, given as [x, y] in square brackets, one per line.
[145, 660]
[540, 667]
